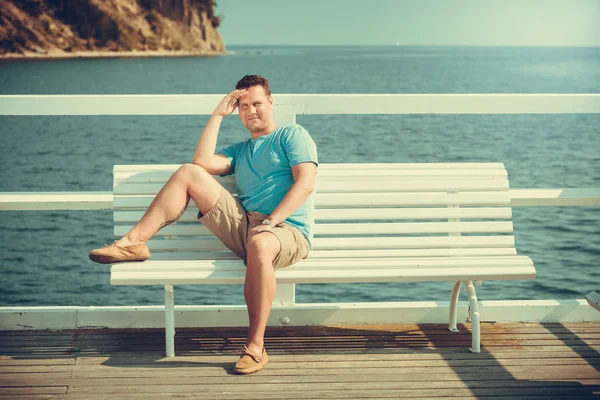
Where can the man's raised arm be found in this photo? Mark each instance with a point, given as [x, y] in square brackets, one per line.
[204, 156]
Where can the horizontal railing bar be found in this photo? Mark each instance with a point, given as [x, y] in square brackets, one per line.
[48, 201]
[305, 104]
[40, 201]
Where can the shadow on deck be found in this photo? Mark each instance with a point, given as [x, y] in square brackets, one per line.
[517, 361]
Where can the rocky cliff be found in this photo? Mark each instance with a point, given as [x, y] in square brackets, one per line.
[110, 27]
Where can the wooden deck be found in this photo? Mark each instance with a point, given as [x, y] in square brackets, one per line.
[518, 361]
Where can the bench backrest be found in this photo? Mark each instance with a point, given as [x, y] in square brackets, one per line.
[362, 210]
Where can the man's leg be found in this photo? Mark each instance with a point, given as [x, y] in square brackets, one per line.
[259, 288]
[189, 181]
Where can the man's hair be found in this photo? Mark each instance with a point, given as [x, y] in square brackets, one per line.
[254, 80]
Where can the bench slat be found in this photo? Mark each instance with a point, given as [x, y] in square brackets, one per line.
[329, 271]
[367, 200]
[374, 214]
[348, 254]
[371, 186]
[341, 264]
[424, 275]
[209, 243]
[345, 179]
[327, 173]
[197, 229]
[132, 168]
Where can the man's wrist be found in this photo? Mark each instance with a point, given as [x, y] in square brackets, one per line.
[269, 223]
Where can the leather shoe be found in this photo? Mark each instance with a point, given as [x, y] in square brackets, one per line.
[113, 253]
[250, 363]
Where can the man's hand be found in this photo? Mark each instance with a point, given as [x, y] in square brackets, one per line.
[229, 103]
[258, 229]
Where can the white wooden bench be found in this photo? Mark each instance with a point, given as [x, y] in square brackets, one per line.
[374, 223]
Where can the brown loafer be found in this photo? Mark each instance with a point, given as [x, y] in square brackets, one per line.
[113, 253]
[250, 363]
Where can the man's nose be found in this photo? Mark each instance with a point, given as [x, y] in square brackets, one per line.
[253, 109]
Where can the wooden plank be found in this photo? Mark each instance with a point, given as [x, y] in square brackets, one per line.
[14, 396]
[371, 336]
[5, 360]
[36, 369]
[417, 358]
[380, 361]
[316, 381]
[343, 390]
[33, 390]
[337, 330]
[24, 379]
[279, 396]
[398, 371]
[398, 374]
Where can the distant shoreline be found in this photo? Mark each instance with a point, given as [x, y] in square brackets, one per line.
[56, 55]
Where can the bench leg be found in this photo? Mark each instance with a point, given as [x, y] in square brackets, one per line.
[474, 311]
[454, 306]
[170, 320]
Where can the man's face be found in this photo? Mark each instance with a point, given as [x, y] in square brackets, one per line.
[256, 109]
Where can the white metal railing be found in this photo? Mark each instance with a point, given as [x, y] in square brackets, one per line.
[305, 104]
[53, 201]
[287, 106]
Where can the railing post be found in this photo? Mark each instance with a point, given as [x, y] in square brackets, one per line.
[284, 118]
[169, 320]
[285, 295]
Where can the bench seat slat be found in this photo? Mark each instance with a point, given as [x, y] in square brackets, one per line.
[434, 275]
[197, 229]
[348, 254]
[358, 214]
[341, 264]
[352, 243]
[330, 271]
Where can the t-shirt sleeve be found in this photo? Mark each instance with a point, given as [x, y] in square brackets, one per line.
[300, 147]
[231, 152]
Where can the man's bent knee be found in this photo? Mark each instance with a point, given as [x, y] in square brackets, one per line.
[190, 170]
[263, 246]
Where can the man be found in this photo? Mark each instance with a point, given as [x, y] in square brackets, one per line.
[268, 225]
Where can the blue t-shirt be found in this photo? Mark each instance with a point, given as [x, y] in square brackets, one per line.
[263, 172]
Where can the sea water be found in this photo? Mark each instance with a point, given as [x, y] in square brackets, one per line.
[43, 254]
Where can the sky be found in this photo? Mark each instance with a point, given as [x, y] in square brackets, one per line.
[416, 22]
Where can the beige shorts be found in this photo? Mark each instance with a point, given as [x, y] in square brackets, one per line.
[230, 222]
